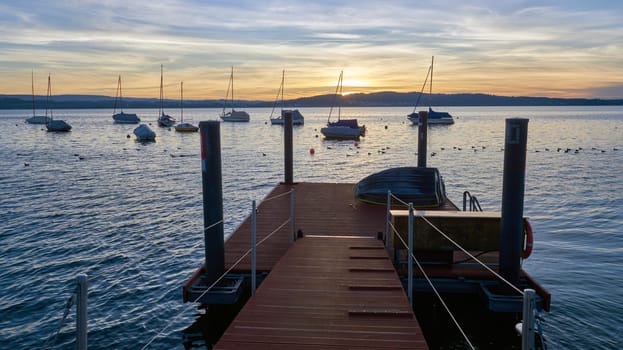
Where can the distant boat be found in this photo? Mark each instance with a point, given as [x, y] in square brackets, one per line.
[36, 119]
[433, 116]
[342, 129]
[164, 120]
[182, 126]
[297, 117]
[121, 117]
[233, 115]
[144, 133]
[54, 124]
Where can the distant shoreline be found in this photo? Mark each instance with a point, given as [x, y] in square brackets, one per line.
[378, 99]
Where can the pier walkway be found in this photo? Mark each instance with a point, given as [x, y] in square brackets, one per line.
[328, 292]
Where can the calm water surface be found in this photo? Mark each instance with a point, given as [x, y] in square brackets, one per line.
[130, 215]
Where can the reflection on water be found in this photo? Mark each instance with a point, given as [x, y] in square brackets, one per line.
[130, 214]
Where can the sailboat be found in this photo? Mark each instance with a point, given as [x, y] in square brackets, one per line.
[433, 116]
[164, 120]
[343, 129]
[36, 119]
[121, 117]
[233, 115]
[297, 117]
[53, 124]
[182, 126]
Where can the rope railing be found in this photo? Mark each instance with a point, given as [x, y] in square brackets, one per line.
[463, 250]
[412, 256]
[471, 256]
[217, 280]
[400, 200]
[277, 196]
[68, 304]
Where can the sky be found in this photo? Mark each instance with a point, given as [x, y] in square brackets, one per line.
[511, 47]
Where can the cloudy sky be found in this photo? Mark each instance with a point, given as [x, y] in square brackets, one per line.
[531, 48]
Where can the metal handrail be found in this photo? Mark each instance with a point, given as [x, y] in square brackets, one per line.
[474, 205]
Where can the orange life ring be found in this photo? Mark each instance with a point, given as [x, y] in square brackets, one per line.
[528, 239]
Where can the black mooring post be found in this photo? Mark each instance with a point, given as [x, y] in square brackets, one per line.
[287, 146]
[513, 188]
[422, 128]
[211, 176]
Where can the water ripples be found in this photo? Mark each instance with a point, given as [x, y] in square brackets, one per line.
[130, 215]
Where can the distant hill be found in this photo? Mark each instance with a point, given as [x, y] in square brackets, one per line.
[377, 99]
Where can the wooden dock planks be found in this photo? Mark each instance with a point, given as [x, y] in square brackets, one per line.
[328, 293]
[320, 209]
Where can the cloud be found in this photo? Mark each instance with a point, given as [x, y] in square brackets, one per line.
[479, 47]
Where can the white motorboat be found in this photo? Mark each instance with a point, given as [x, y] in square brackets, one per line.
[144, 133]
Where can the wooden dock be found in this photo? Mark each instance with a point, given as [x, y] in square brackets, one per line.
[328, 292]
[319, 209]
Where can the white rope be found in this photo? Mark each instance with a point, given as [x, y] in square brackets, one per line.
[214, 224]
[213, 284]
[400, 200]
[465, 251]
[471, 256]
[68, 305]
[277, 196]
[437, 293]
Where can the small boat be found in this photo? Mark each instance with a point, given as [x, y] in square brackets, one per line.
[233, 115]
[54, 124]
[184, 126]
[433, 116]
[36, 119]
[164, 119]
[342, 129]
[421, 186]
[297, 117]
[144, 133]
[121, 117]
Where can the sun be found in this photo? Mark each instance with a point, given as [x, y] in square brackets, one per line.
[354, 86]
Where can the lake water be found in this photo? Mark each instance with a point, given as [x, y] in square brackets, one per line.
[130, 215]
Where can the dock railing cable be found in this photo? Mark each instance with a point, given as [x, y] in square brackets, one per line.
[51, 342]
[174, 319]
[464, 251]
[412, 257]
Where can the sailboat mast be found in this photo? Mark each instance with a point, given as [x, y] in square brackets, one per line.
[283, 76]
[32, 78]
[339, 106]
[335, 97]
[232, 88]
[181, 101]
[47, 100]
[161, 94]
[430, 93]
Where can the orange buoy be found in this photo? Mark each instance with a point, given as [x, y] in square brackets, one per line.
[312, 151]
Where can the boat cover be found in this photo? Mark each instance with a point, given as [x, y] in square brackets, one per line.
[423, 187]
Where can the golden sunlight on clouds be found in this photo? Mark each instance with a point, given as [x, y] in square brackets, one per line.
[568, 50]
